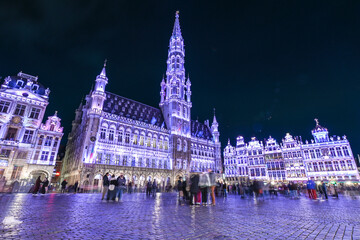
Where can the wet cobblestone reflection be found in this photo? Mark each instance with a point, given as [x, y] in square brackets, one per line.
[84, 216]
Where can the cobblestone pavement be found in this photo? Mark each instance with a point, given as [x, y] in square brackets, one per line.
[85, 216]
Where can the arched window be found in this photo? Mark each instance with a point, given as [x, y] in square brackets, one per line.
[185, 146]
[148, 140]
[111, 134]
[166, 144]
[179, 144]
[103, 133]
[127, 136]
[142, 139]
[120, 135]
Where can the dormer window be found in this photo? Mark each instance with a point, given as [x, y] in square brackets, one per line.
[35, 87]
[19, 83]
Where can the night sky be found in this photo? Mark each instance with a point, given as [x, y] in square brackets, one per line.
[268, 67]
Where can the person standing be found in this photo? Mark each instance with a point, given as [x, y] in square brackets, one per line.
[63, 186]
[37, 185]
[76, 186]
[106, 184]
[121, 187]
[111, 193]
[204, 183]
[324, 190]
[45, 185]
[148, 188]
[154, 188]
[179, 188]
[212, 186]
[194, 189]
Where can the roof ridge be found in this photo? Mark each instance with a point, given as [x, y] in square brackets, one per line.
[132, 100]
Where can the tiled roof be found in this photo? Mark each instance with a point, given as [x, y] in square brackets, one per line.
[128, 108]
[200, 130]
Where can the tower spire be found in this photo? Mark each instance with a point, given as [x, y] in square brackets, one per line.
[103, 71]
[177, 29]
[214, 120]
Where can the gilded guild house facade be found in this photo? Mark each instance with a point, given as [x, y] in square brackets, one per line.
[323, 158]
[115, 134]
[28, 148]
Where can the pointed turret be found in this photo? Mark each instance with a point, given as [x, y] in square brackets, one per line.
[103, 71]
[214, 129]
[176, 30]
[98, 95]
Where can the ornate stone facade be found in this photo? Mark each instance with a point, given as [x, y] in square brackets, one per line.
[324, 158]
[114, 134]
[28, 148]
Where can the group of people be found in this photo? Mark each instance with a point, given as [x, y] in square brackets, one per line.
[72, 188]
[197, 189]
[113, 187]
[40, 186]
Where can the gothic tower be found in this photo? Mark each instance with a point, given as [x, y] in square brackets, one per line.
[175, 100]
[96, 101]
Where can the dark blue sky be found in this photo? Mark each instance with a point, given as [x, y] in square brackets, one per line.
[269, 67]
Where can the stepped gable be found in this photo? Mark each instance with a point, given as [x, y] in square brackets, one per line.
[131, 109]
[200, 130]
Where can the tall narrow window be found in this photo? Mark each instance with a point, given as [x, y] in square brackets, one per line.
[52, 156]
[120, 136]
[338, 151]
[20, 109]
[4, 106]
[44, 155]
[346, 151]
[103, 133]
[35, 112]
[16, 172]
[111, 135]
[179, 144]
[28, 136]
[127, 137]
[48, 141]
[56, 141]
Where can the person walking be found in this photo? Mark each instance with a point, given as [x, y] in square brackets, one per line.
[76, 186]
[37, 185]
[63, 186]
[212, 186]
[121, 186]
[179, 188]
[106, 184]
[154, 188]
[225, 192]
[194, 189]
[130, 187]
[111, 193]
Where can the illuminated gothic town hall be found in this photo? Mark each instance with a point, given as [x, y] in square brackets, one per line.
[115, 134]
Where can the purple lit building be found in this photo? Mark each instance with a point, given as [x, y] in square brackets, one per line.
[323, 158]
[115, 134]
[28, 148]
